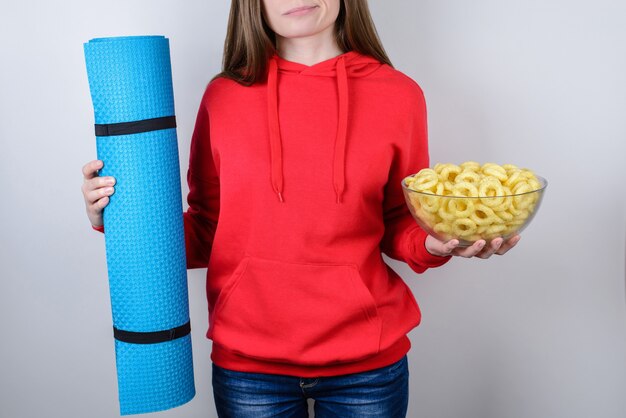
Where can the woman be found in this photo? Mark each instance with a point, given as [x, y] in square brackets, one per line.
[299, 149]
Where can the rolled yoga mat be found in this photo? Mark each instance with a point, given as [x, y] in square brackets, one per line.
[130, 80]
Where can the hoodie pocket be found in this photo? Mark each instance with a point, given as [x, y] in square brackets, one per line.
[299, 313]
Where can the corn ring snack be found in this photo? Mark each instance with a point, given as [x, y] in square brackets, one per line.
[449, 172]
[430, 203]
[505, 215]
[470, 165]
[443, 228]
[462, 208]
[491, 192]
[491, 169]
[445, 212]
[513, 178]
[431, 218]
[463, 227]
[507, 201]
[426, 180]
[510, 168]
[468, 176]
[448, 187]
[483, 215]
[471, 201]
[465, 190]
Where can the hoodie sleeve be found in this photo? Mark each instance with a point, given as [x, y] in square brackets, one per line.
[200, 219]
[404, 240]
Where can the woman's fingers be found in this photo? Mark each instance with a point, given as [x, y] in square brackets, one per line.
[449, 246]
[508, 244]
[101, 203]
[439, 248]
[498, 246]
[490, 249]
[97, 187]
[92, 195]
[479, 249]
[470, 251]
[90, 170]
[96, 190]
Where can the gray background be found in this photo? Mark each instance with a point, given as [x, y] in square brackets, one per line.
[538, 333]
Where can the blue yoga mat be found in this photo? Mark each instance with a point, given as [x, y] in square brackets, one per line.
[130, 80]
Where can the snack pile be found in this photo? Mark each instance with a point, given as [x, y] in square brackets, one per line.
[471, 201]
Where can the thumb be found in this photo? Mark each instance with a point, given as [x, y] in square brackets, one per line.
[438, 248]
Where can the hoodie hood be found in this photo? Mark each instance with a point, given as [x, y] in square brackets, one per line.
[351, 64]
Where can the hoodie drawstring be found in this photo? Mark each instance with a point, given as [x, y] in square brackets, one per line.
[276, 152]
[339, 179]
[339, 155]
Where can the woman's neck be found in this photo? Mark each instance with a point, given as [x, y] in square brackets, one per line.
[309, 50]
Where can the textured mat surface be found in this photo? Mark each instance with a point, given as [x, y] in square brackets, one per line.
[130, 80]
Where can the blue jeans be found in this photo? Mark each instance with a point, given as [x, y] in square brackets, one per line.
[379, 393]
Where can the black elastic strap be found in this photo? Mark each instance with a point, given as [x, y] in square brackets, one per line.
[151, 337]
[137, 127]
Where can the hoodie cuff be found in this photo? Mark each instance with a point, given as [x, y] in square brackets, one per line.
[98, 228]
[419, 254]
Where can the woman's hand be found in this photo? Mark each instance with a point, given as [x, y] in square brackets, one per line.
[478, 249]
[96, 191]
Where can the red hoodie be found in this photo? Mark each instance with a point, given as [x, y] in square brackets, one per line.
[304, 173]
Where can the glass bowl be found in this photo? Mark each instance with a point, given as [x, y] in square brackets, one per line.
[469, 219]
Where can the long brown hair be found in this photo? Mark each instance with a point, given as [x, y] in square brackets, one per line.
[250, 42]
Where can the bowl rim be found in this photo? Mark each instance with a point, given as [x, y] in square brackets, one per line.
[542, 180]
